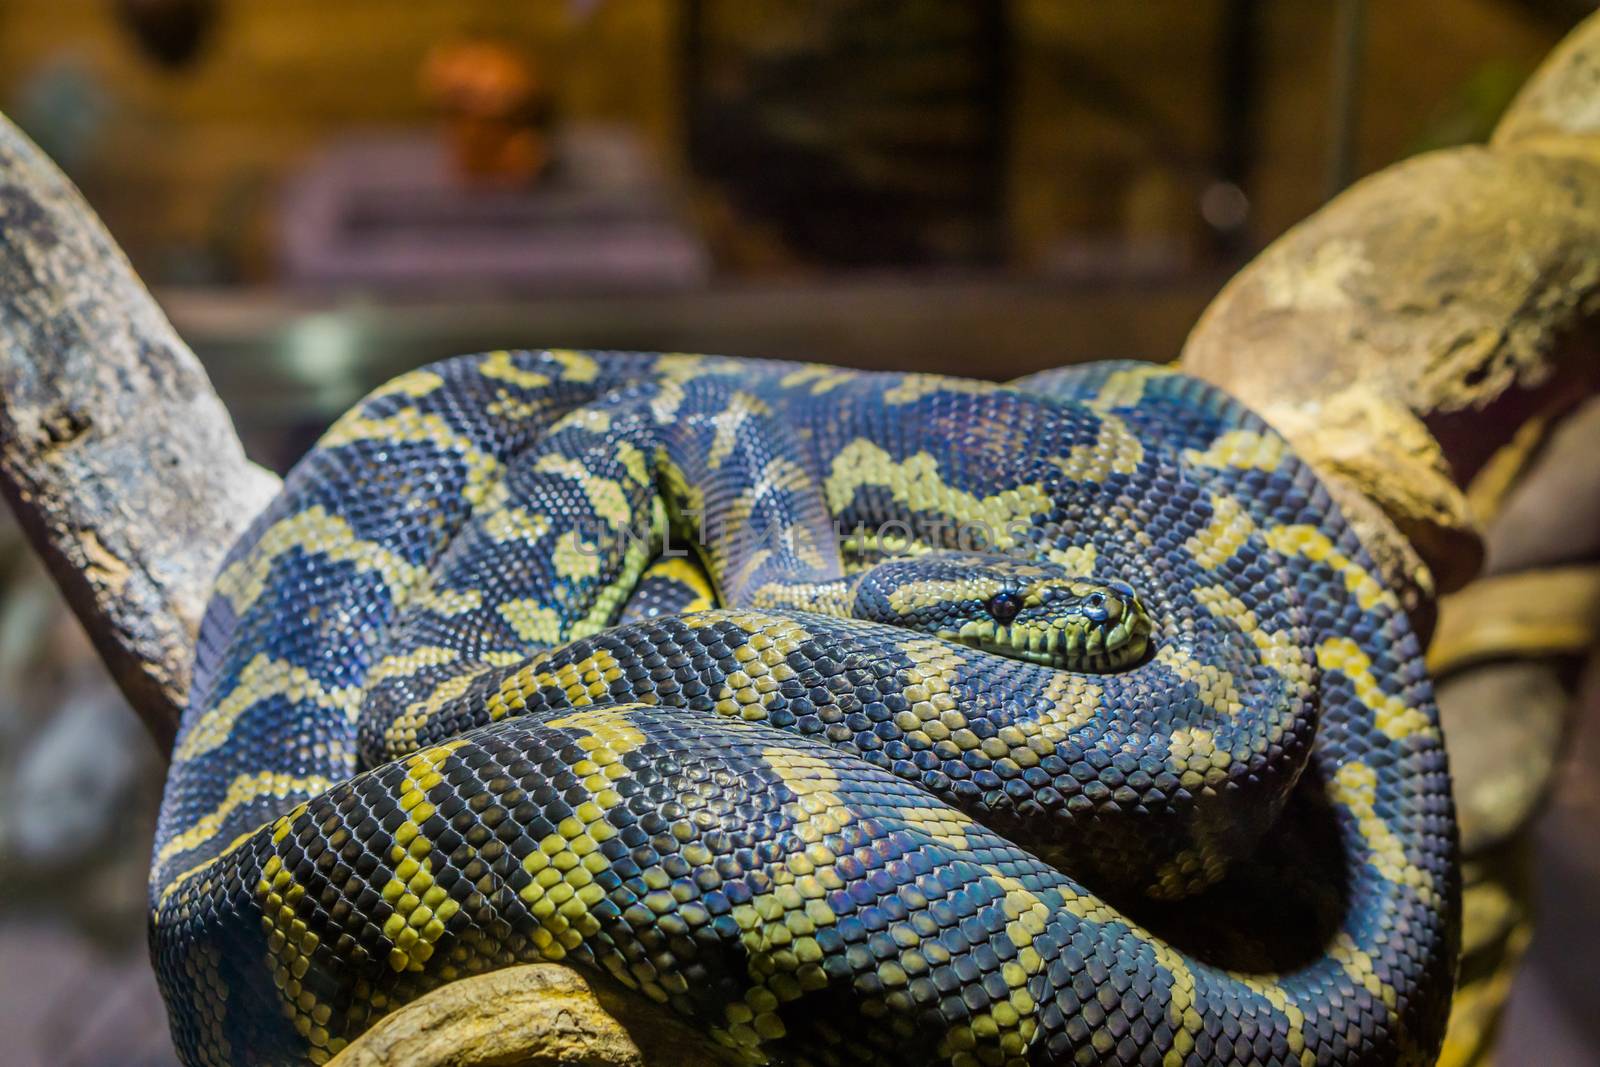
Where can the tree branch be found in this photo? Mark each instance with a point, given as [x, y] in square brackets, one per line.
[115, 453]
[1403, 333]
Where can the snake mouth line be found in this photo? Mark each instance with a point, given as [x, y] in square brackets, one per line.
[1122, 659]
[1099, 653]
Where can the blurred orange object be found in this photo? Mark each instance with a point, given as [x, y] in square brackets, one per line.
[495, 106]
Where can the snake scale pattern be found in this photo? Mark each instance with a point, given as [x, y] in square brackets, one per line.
[855, 717]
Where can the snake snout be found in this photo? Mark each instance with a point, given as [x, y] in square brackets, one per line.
[1032, 611]
[1076, 625]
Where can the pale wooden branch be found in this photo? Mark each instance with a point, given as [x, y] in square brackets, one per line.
[1403, 333]
[530, 1016]
[1506, 660]
[116, 455]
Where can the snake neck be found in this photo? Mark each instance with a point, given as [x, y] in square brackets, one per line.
[835, 596]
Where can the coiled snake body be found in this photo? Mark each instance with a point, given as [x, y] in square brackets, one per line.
[1063, 722]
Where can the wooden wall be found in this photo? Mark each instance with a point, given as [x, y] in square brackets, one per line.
[189, 163]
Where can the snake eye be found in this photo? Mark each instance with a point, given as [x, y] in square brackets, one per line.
[1095, 600]
[1004, 606]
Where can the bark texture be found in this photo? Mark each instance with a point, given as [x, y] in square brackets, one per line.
[1404, 333]
[115, 453]
[539, 1015]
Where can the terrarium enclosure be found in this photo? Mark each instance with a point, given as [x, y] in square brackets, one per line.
[1376, 224]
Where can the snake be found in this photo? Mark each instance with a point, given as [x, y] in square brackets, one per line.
[851, 717]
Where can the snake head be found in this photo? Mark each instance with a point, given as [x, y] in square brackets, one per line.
[1038, 612]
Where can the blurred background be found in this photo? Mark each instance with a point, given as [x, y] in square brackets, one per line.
[325, 194]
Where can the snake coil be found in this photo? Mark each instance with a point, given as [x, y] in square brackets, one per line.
[1058, 722]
